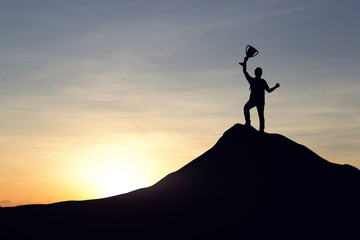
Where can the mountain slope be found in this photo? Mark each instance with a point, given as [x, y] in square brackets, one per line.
[249, 185]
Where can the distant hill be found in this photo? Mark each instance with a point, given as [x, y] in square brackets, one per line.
[250, 185]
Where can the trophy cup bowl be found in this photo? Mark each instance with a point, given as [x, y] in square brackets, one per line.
[250, 52]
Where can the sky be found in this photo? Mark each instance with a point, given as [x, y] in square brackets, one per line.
[99, 98]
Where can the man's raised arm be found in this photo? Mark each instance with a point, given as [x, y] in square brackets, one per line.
[243, 64]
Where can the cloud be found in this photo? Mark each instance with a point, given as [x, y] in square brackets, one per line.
[5, 203]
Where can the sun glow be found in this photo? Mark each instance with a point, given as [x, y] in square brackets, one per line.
[114, 178]
[112, 172]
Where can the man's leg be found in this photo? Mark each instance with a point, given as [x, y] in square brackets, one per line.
[247, 108]
[260, 109]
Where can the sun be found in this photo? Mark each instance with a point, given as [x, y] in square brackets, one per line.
[114, 177]
[111, 171]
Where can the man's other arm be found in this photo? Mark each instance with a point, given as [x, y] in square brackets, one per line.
[269, 90]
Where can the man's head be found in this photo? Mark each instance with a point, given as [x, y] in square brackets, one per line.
[258, 72]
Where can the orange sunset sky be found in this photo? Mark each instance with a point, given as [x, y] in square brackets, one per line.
[99, 98]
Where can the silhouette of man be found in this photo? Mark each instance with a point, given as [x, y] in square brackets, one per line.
[257, 94]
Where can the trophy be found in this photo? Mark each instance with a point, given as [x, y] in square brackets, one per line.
[250, 52]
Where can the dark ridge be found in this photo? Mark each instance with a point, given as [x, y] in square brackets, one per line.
[250, 185]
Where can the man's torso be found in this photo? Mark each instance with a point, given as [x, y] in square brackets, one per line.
[257, 88]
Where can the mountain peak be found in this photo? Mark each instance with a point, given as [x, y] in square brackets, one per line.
[249, 184]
